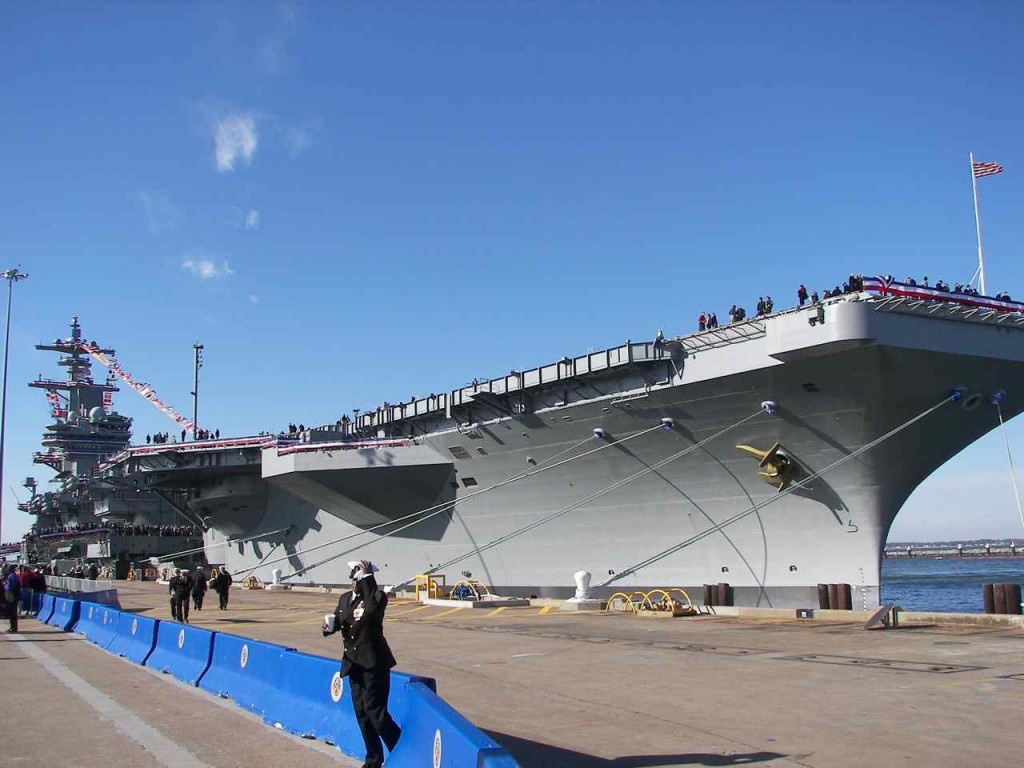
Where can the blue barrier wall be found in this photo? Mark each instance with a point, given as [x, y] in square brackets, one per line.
[312, 701]
[98, 623]
[299, 692]
[46, 606]
[432, 729]
[65, 613]
[398, 700]
[245, 671]
[135, 637]
[182, 651]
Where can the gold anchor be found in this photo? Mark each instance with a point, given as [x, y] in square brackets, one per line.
[778, 468]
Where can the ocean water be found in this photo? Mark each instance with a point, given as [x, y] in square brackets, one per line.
[951, 584]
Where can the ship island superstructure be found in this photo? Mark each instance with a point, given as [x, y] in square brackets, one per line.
[770, 454]
[83, 516]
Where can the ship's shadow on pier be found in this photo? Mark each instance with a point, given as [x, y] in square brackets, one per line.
[533, 753]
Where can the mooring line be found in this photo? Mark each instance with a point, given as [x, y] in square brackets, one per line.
[796, 485]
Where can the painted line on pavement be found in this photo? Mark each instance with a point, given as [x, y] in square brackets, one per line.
[406, 613]
[445, 613]
[165, 751]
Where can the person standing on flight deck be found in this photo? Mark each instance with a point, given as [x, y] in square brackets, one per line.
[366, 659]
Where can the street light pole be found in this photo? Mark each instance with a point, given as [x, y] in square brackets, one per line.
[195, 391]
[11, 276]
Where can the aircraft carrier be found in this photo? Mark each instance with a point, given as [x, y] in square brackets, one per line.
[770, 454]
[81, 516]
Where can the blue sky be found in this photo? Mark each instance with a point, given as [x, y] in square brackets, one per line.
[361, 201]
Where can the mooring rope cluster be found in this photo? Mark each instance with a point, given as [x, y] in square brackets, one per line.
[794, 486]
[193, 550]
[766, 407]
[421, 515]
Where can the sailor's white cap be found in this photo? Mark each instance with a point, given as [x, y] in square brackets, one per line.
[353, 564]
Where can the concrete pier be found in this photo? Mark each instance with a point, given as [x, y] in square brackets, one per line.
[562, 689]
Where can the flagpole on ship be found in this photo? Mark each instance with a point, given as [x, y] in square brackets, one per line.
[977, 223]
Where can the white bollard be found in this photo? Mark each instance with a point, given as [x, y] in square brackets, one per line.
[275, 580]
[582, 579]
[581, 601]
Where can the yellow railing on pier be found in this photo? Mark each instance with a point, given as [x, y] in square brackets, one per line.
[429, 584]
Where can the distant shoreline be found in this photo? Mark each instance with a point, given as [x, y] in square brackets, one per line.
[933, 550]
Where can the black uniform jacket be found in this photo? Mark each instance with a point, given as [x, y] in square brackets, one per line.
[365, 645]
[179, 586]
[221, 582]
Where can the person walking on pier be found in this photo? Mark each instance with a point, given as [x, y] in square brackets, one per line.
[186, 600]
[198, 588]
[221, 584]
[178, 589]
[366, 659]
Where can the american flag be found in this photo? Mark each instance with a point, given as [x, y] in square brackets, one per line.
[986, 169]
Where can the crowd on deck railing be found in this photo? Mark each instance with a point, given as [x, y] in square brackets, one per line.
[122, 529]
[709, 320]
[940, 285]
[853, 284]
[161, 438]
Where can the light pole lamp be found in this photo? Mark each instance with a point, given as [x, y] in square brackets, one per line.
[195, 392]
[11, 276]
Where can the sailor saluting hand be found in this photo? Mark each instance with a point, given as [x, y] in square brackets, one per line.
[366, 658]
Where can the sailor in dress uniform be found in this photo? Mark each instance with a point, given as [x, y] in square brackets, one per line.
[367, 659]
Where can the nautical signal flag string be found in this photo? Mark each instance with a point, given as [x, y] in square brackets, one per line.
[53, 397]
[142, 388]
[986, 169]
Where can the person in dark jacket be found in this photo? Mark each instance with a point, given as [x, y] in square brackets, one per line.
[198, 588]
[221, 584]
[178, 587]
[11, 596]
[186, 601]
[366, 660]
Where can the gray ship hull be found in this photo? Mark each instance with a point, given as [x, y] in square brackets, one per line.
[625, 514]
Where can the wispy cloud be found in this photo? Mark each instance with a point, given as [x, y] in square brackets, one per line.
[235, 140]
[252, 219]
[161, 214]
[273, 53]
[297, 139]
[204, 268]
[253, 299]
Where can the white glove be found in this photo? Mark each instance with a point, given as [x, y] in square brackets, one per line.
[362, 568]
